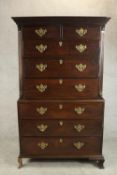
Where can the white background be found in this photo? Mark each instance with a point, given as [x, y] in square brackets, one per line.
[9, 91]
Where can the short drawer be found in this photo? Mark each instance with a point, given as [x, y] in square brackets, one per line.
[59, 147]
[61, 48]
[81, 32]
[61, 127]
[82, 109]
[60, 68]
[60, 88]
[41, 32]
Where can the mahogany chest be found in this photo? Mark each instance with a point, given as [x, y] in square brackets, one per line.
[61, 108]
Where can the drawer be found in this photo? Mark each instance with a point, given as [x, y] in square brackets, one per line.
[60, 68]
[53, 32]
[41, 32]
[61, 48]
[60, 88]
[82, 109]
[81, 32]
[61, 127]
[59, 147]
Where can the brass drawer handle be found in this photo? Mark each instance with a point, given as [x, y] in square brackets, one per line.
[78, 145]
[80, 67]
[41, 48]
[79, 127]
[41, 110]
[80, 87]
[81, 48]
[41, 32]
[42, 145]
[41, 67]
[81, 32]
[42, 127]
[79, 110]
[41, 88]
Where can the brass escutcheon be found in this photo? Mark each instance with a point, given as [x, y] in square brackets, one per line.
[61, 123]
[61, 140]
[60, 43]
[60, 106]
[61, 61]
[60, 81]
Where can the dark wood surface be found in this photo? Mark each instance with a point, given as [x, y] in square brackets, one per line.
[56, 70]
[91, 127]
[72, 20]
[93, 33]
[57, 94]
[29, 146]
[93, 109]
[54, 32]
[53, 49]
[55, 90]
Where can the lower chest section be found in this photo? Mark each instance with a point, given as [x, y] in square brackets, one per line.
[60, 128]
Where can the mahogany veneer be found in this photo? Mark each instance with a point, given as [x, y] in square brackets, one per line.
[61, 108]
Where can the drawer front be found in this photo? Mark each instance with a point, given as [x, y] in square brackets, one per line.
[61, 127]
[60, 110]
[53, 32]
[56, 88]
[43, 146]
[41, 32]
[81, 32]
[61, 48]
[60, 68]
